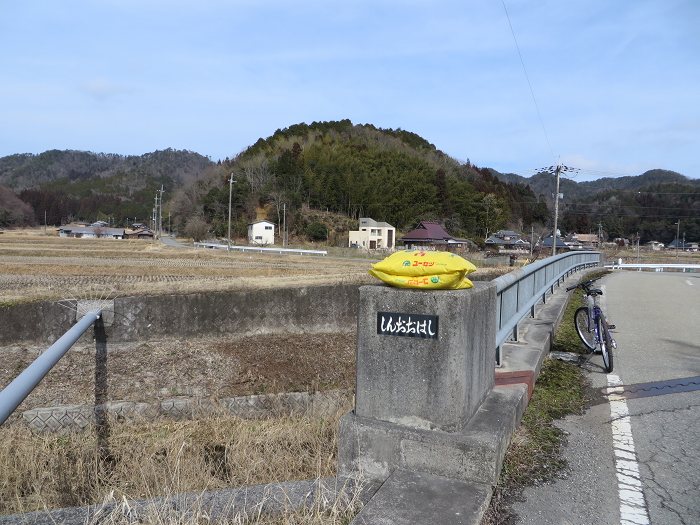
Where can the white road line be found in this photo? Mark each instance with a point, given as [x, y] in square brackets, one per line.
[689, 282]
[633, 509]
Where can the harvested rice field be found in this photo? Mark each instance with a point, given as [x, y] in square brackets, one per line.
[36, 266]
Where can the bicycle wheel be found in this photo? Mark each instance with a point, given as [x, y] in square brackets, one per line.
[584, 328]
[606, 344]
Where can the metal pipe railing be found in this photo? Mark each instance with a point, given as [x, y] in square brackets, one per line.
[519, 291]
[21, 386]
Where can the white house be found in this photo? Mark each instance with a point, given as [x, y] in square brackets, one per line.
[261, 232]
[373, 235]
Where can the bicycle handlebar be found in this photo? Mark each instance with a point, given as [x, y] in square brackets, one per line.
[585, 286]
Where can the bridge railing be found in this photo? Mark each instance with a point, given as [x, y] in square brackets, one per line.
[20, 387]
[518, 292]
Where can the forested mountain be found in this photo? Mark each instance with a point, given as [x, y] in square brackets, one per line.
[648, 205]
[88, 186]
[322, 176]
[358, 171]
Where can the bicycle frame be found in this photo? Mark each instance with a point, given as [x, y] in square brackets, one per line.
[593, 316]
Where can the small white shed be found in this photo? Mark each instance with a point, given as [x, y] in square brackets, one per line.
[261, 232]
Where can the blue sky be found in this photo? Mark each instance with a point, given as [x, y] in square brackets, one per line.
[617, 83]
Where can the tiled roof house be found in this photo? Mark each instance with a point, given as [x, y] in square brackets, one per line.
[432, 235]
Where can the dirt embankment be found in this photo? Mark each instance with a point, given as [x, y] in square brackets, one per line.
[202, 367]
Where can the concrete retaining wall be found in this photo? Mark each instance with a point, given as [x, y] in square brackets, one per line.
[140, 318]
[78, 417]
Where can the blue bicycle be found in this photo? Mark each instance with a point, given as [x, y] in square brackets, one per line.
[591, 325]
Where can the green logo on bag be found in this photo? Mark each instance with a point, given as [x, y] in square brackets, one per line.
[435, 279]
[406, 263]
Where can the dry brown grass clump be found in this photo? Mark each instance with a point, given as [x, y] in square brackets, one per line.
[151, 459]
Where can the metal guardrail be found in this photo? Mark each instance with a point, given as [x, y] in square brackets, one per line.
[21, 386]
[518, 292]
[260, 249]
[656, 267]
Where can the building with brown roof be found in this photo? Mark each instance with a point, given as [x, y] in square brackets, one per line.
[431, 235]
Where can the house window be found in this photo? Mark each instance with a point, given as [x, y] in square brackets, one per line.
[268, 227]
[258, 237]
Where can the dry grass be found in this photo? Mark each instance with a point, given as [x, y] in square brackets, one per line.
[43, 267]
[151, 459]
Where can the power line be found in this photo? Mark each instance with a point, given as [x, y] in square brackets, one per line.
[604, 205]
[610, 213]
[527, 77]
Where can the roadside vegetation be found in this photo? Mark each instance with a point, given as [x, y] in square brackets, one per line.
[148, 459]
[534, 455]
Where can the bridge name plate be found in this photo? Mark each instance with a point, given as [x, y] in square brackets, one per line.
[408, 325]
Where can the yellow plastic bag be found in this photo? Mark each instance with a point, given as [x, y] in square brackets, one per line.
[419, 263]
[442, 281]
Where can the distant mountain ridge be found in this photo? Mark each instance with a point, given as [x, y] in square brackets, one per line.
[65, 185]
[353, 170]
[649, 205]
[544, 183]
[27, 170]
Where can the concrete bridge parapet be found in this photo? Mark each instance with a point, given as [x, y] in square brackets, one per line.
[425, 402]
[432, 416]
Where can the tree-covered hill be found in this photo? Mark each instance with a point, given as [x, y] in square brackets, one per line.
[649, 211]
[359, 171]
[325, 175]
[23, 171]
[648, 205]
[83, 185]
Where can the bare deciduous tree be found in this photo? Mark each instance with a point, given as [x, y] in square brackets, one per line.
[257, 172]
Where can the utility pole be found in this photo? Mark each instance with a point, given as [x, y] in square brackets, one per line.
[678, 231]
[557, 171]
[532, 238]
[160, 212]
[284, 225]
[230, 190]
[155, 217]
[486, 236]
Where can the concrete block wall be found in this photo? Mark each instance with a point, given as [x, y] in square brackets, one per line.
[140, 318]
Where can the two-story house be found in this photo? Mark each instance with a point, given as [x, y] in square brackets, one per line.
[261, 232]
[373, 235]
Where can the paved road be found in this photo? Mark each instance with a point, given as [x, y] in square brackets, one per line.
[171, 241]
[637, 459]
